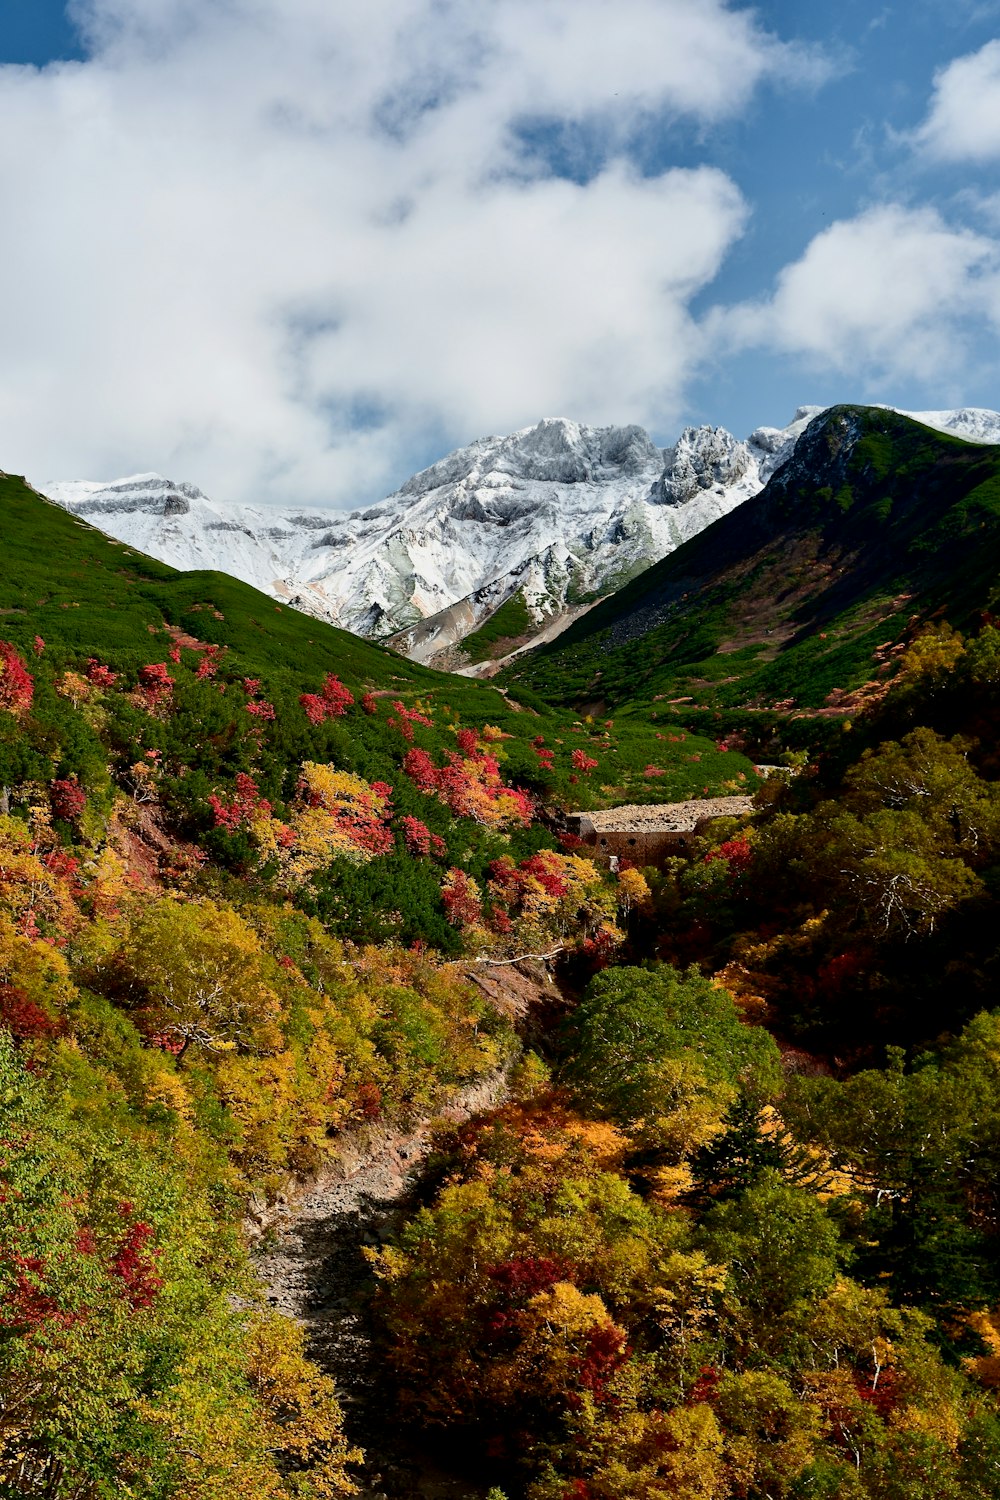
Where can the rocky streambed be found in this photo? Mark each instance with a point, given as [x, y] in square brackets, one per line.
[310, 1257]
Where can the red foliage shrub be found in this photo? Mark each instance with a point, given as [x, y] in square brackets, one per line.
[39, 645]
[209, 664]
[883, 1396]
[571, 842]
[336, 696]
[467, 741]
[368, 1101]
[155, 684]
[331, 702]
[583, 762]
[411, 715]
[421, 770]
[369, 704]
[315, 708]
[134, 1268]
[29, 1306]
[417, 836]
[99, 675]
[737, 853]
[607, 1351]
[599, 949]
[460, 899]
[242, 808]
[68, 799]
[25, 1020]
[17, 686]
[64, 867]
[706, 1387]
[523, 1277]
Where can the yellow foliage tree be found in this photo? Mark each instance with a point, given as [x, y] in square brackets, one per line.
[198, 975]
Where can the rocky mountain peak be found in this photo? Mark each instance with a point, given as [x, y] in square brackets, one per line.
[558, 513]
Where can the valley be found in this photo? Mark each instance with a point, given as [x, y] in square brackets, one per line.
[497, 542]
[366, 1128]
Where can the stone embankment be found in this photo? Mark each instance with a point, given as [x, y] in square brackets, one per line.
[651, 833]
[668, 816]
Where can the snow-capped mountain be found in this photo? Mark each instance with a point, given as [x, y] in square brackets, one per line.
[557, 512]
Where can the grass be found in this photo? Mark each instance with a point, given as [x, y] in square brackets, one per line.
[509, 623]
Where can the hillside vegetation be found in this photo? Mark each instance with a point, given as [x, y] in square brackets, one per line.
[735, 1234]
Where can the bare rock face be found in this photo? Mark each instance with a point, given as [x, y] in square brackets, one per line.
[704, 458]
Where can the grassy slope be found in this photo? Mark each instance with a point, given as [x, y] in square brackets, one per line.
[877, 520]
[87, 595]
[66, 581]
[500, 632]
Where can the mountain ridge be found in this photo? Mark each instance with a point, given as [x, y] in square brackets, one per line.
[557, 514]
[793, 601]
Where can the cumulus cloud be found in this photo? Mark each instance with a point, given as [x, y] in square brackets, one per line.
[276, 246]
[963, 121]
[894, 294]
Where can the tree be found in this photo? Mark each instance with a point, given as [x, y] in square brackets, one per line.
[666, 1053]
[197, 975]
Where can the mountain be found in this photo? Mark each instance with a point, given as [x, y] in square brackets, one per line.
[85, 596]
[800, 598]
[554, 514]
[548, 518]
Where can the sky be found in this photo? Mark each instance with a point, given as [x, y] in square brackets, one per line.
[295, 250]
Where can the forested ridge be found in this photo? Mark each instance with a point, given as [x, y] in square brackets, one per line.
[735, 1231]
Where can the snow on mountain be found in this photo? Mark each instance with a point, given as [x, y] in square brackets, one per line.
[557, 512]
[974, 423]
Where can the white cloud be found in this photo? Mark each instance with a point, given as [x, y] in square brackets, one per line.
[270, 245]
[893, 294]
[963, 121]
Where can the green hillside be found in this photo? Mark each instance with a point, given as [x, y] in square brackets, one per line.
[796, 599]
[66, 581]
[86, 595]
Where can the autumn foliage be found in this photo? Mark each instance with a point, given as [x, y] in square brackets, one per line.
[470, 786]
[331, 702]
[17, 685]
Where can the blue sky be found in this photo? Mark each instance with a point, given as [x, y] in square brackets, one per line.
[294, 249]
[36, 31]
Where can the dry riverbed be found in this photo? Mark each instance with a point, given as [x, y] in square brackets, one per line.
[310, 1258]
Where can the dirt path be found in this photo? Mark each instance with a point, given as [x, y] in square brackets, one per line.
[311, 1261]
